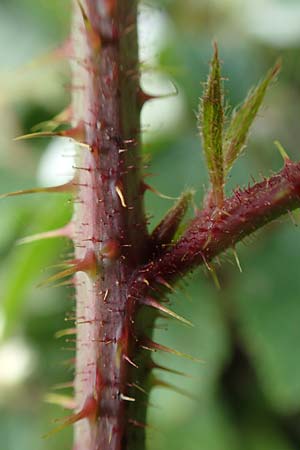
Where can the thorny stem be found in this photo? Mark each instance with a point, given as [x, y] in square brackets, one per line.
[119, 267]
[121, 273]
[110, 227]
[215, 230]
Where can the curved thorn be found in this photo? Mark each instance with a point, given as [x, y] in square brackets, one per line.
[58, 276]
[126, 398]
[236, 257]
[149, 301]
[68, 384]
[93, 36]
[165, 384]
[64, 117]
[88, 411]
[62, 400]
[144, 97]
[67, 187]
[167, 369]
[159, 194]
[148, 344]
[121, 196]
[65, 332]
[65, 231]
[77, 134]
[282, 151]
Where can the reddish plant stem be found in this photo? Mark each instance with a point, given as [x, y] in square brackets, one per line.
[113, 250]
[215, 230]
[110, 226]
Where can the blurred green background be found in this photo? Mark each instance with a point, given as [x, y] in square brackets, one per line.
[246, 394]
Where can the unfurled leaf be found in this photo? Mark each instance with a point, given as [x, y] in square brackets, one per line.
[211, 120]
[238, 129]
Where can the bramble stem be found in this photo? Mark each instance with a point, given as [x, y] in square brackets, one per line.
[215, 230]
[121, 271]
[110, 227]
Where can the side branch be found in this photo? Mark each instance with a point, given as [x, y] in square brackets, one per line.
[214, 230]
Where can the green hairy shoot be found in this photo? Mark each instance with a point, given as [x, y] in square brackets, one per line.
[211, 124]
[223, 145]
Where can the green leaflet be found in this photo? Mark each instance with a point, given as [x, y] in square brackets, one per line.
[238, 129]
[222, 147]
[165, 231]
[211, 121]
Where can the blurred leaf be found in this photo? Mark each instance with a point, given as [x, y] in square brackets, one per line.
[23, 266]
[267, 308]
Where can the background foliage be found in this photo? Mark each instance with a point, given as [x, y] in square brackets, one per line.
[246, 395]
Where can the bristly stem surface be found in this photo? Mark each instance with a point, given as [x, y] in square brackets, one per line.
[123, 273]
[110, 227]
[214, 230]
